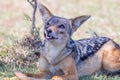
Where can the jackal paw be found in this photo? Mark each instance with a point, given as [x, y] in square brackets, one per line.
[21, 76]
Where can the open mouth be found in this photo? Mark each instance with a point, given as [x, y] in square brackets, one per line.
[49, 37]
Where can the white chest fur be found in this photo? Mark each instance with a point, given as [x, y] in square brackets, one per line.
[52, 52]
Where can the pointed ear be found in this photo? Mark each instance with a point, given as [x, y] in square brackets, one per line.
[45, 13]
[78, 21]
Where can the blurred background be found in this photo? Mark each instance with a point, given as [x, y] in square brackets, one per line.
[105, 17]
[15, 24]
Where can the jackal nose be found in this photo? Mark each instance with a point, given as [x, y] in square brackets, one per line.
[49, 31]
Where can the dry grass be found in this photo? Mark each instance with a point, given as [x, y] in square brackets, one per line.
[105, 16]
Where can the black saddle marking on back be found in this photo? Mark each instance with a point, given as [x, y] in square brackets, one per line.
[87, 47]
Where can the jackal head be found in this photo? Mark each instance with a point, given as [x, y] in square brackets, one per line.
[58, 29]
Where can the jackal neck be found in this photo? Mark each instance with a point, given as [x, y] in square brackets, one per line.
[54, 54]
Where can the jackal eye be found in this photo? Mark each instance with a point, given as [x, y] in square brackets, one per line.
[61, 26]
[48, 24]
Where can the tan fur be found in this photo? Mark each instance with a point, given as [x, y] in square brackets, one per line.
[111, 58]
[54, 64]
[107, 58]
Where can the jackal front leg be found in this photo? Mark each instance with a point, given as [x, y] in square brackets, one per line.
[68, 66]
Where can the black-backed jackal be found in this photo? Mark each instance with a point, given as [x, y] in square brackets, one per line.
[65, 59]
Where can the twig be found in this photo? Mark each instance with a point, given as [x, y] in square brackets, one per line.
[36, 43]
[94, 34]
[34, 5]
[31, 3]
